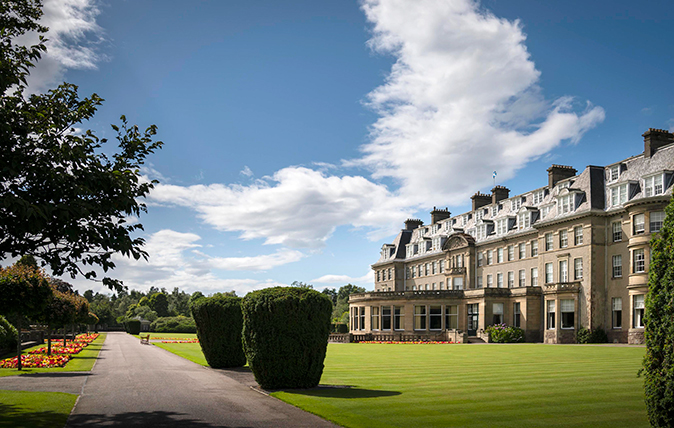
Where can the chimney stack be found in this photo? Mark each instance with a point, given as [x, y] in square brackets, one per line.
[439, 214]
[498, 193]
[480, 200]
[654, 139]
[557, 173]
[413, 223]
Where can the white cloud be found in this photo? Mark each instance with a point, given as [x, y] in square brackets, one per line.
[297, 207]
[262, 262]
[246, 171]
[366, 279]
[461, 101]
[73, 36]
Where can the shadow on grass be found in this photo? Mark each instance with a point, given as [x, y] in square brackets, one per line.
[339, 391]
[155, 419]
[14, 417]
[57, 374]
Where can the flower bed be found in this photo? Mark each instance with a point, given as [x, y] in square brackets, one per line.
[58, 349]
[181, 341]
[36, 361]
[416, 342]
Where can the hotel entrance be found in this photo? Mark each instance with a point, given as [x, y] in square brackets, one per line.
[473, 316]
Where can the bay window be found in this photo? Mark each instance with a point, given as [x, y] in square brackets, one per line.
[567, 309]
[638, 316]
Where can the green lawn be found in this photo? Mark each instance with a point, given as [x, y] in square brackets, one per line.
[189, 351]
[35, 409]
[524, 385]
[79, 362]
[154, 336]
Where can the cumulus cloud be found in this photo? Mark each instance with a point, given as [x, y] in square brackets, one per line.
[296, 207]
[366, 279]
[462, 100]
[73, 37]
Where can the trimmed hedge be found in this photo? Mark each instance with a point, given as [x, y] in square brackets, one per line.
[8, 335]
[133, 326]
[179, 324]
[219, 322]
[285, 336]
[584, 335]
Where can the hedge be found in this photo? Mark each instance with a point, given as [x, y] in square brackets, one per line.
[133, 326]
[8, 335]
[583, 335]
[285, 336]
[179, 324]
[219, 322]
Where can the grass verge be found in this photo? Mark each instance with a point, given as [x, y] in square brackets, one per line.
[527, 385]
[83, 361]
[154, 336]
[35, 409]
[189, 351]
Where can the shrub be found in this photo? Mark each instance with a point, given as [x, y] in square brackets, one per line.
[133, 326]
[219, 323]
[179, 324]
[584, 335]
[501, 333]
[285, 336]
[339, 327]
[8, 335]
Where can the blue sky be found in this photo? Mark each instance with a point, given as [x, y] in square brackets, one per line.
[299, 135]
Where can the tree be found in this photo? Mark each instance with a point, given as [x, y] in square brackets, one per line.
[25, 292]
[340, 312]
[57, 313]
[331, 293]
[63, 200]
[658, 364]
[300, 284]
[158, 302]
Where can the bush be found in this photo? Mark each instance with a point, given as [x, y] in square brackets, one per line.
[8, 335]
[133, 326]
[501, 333]
[219, 323]
[285, 336]
[584, 335]
[179, 324]
[339, 327]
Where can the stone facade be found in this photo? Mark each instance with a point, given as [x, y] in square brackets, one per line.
[571, 254]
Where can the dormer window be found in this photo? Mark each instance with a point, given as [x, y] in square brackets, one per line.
[479, 214]
[614, 173]
[515, 204]
[524, 220]
[545, 211]
[564, 185]
[494, 210]
[481, 231]
[653, 185]
[538, 196]
[618, 195]
[501, 226]
[566, 204]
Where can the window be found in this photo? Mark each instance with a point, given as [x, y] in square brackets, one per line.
[451, 317]
[617, 231]
[479, 281]
[578, 235]
[426, 270]
[399, 317]
[551, 314]
[523, 251]
[618, 195]
[515, 204]
[639, 261]
[511, 253]
[501, 226]
[435, 318]
[578, 269]
[639, 224]
[538, 197]
[548, 273]
[459, 260]
[567, 307]
[617, 266]
[617, 305]
[563, 239]
[481, 231]
[414, 271]
[407, 273]
[523, 279]
[479, 259]
[386, 318]
[478, 215]
[548, 241]
[434, 266]
[499, 255]
[516, 314]
[361, 310]
[545, 211]
[442, 266]
[534, 248]
[656, 219]
[490, 282]
[638, 318]
[499, 280]
[523, 220]
[420, 317]
[563, 271]
[490, 257]
[511, 279]
[378, 278]
[458, 283]
[494, 210]
[497, 311]
[653, 185]
[614, 173]
[390, 276]
[565, 204]
[374, 315]
[534, 277]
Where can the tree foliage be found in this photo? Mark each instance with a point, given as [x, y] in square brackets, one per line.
[63, 200]
[158, 302]
[658, 365]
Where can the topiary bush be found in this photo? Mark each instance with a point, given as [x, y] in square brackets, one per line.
[285, 336]
[501, 333]
[8, 335]
[584, 335]
[219, 323]
[179, 324]
[133, 326]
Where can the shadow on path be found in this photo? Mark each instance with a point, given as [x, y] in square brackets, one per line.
[338, 391]
[155, 419]
[64, 374]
